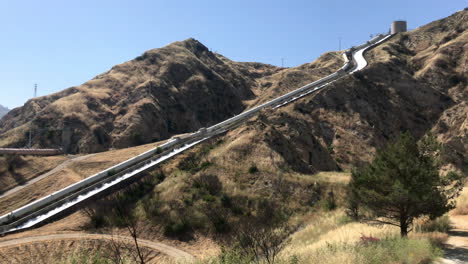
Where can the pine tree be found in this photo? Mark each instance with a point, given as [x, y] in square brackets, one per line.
[403, 183]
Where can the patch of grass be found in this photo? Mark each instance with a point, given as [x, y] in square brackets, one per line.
[462, 203]
[387, 250]
[437, 239]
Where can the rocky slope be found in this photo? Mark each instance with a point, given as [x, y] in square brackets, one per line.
[3, 111]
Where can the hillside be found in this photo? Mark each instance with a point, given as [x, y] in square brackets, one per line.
[295, 158]
[3, 111]
[175, 89]
[416, 81]
[166, 91]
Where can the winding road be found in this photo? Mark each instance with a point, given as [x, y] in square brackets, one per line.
[47, 174]
[173, 252]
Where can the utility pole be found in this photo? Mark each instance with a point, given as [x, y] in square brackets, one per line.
[30, 129]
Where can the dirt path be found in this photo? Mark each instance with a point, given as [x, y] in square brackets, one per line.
[47, 174]
[456, 251]
[165, 249]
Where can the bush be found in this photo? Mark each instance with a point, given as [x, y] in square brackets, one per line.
[330, 202]
[137, 138]
[13, 162]
[159, 150]
[96, 217]
[226, 201]
[440, 224]
[221, 225]
[208, 182]
[177, 228]
[208, 198]
[159, 176]
[253, 169]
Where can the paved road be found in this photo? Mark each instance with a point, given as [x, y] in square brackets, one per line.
[163, 248]
[47, 174]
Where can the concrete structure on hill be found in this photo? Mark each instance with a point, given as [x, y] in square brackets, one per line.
[398, 26]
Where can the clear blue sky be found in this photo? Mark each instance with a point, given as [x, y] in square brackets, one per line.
[63, 43]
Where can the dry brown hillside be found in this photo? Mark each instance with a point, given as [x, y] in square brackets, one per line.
[171, 90]
[415, 81]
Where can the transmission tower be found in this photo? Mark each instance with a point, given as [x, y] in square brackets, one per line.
[35, 90]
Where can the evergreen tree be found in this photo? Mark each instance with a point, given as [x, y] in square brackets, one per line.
[403, 183]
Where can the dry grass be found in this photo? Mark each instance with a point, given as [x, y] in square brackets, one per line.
[29, 168]
[14, 135]
[462, 203]
[330, 239]
[332, 229]
[69, 252]
[436, 238]
[72, 173]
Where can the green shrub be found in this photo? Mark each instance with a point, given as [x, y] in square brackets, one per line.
[253, 169]
[204, 165]
[221, 225]
[159, 176]
[177, 228]
[208, 183]
[329, 203]
[226, 201]
[13, 162]
[137, 138]
[208, 198]
[440, 224]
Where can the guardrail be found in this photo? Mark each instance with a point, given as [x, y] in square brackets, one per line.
[50, 205]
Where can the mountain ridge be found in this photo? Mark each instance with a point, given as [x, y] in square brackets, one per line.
[414, 81]
[3, 110]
